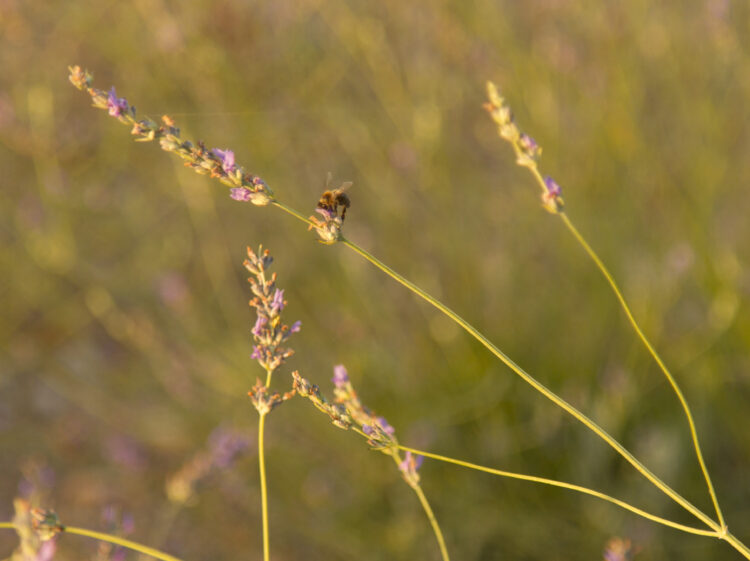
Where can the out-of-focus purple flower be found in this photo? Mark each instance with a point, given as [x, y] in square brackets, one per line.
[553, 188]
[277, 302]
[411, 463]
[242, 194]
[387, 428]
[259, 323]
[225, 445]
[173, 290]
[46, 550]
[368, 430]
[116, 106]
[529, 145]
[257, 353]
[127, 523]
[340, 375]
[227, 159]
[296, 326]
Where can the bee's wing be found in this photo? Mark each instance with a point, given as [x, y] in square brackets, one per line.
[329, 178]
[345, 185]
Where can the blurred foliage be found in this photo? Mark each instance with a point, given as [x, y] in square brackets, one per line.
[125, 333]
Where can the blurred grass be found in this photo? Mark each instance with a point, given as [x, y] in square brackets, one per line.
[124, 315]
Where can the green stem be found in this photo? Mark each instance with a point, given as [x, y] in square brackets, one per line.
[564, 485]
[291, 211]
[427, 509]
[736, 544]
[624, 305]
[433, 522]
[534, 169]
[263, 489]
[122, 542]
[541, 388]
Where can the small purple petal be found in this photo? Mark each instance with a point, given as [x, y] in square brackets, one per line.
[259, 323]
[368, 430]
[552, 187]
[227, 159]
[340, 375]
[386, 426]
[277, 303]
[241, 194]
[256, 354]
[116, 106]
[410, 463]
[528, 143]
[328, 214]
[296, 326]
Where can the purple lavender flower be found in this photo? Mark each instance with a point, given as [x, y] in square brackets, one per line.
[296, 326]
[411, 463]
[259, 323]
[327, 214]
[387, 428]
[116, 106]
[277, 303]
[227, 159]
[553, 189]
[257, 353]
[340, 375]
[368, 430]
[242, 194]
[528, 144]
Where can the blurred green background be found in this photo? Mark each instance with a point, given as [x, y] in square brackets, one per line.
[125, 331]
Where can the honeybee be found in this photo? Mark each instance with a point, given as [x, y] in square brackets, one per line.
[331, 199]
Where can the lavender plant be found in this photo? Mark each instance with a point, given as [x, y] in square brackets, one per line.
[269, 334]
[346, 411]
[251, 189]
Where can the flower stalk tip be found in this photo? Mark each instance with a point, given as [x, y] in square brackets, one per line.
[218, 163]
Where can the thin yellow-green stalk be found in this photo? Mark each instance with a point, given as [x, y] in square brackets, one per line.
[427, 509]
[564, 485]
[672, 382]
[541, 388]
[116, 540]
[530, 163]
[263, 486]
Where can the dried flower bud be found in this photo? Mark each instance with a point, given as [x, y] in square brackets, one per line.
[552, 199]
[529, 151]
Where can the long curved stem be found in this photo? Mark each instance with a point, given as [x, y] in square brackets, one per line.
[534, 169]
[116, 540]
[624, 305]
[564, 485]
[541, 388]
